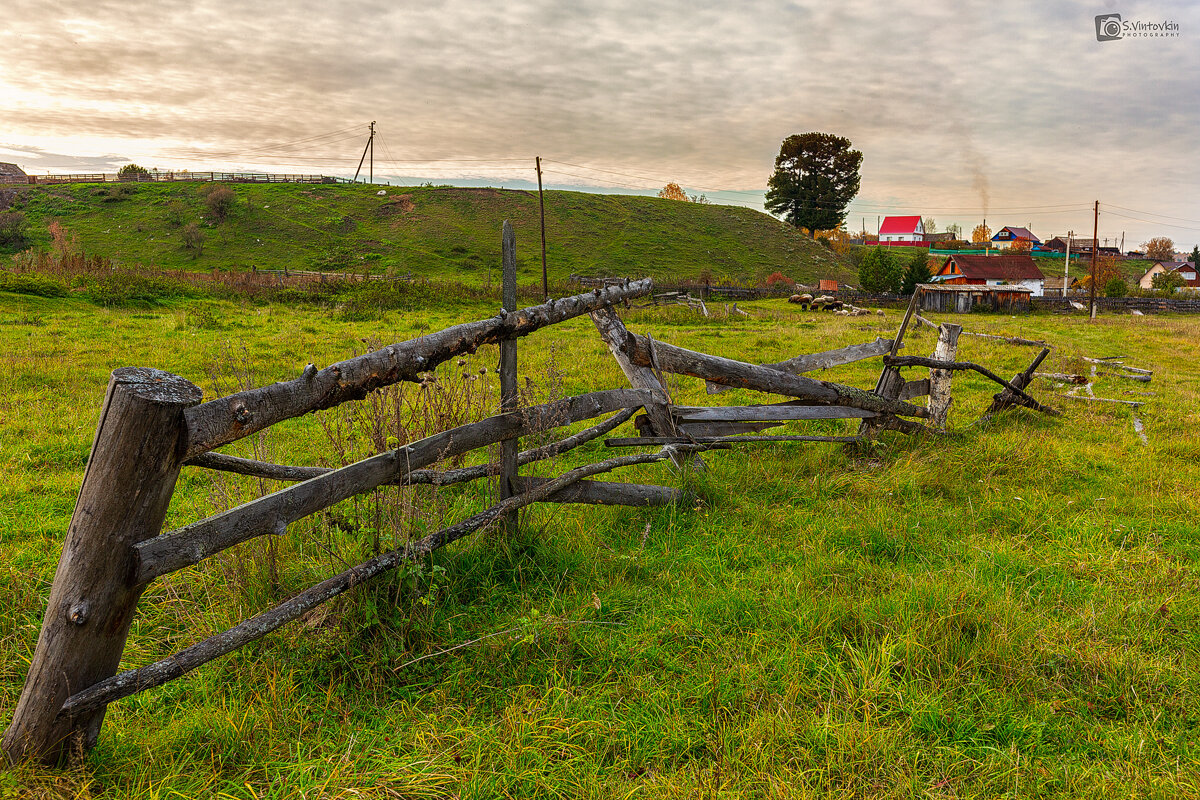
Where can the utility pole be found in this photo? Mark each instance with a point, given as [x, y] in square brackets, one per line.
[1095, 248]
[1067, 266]
[542, 208]
[370, 146]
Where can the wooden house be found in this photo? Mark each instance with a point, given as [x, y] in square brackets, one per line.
[1017, 269]
[901, 229]
[1008, 236]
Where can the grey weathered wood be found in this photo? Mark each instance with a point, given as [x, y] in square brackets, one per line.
[692, 429]
[1133, 403]
[131, 473]
[137, 680]
[508, 378]
[228, 419]
[767, 413]
[917, 388]
[890, 384]
[274, 512]
[1108, 362]
[614, 333]
[436, 477]
[605, 493]
[825, 360]
[649, 441]
[1062, 377]
[940, 398]
[1021, 396]
[739, 374]
[1139, 378]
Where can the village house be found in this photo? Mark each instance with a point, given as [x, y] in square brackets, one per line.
[1186, 270]
[1053, 285]
[1016, 269]
[1007, 236]
[901, 229]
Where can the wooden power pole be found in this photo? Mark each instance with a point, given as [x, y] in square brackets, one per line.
[1095, 250]
[542, 210]
[371, 147]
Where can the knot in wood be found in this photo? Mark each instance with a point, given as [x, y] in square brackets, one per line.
[242, 414]
[78, 612]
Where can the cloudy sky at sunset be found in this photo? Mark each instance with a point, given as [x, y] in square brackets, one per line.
[1011, 110]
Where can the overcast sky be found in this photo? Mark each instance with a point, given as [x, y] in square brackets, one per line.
[960, 109]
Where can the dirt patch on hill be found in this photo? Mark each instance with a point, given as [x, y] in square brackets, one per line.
[400, 204]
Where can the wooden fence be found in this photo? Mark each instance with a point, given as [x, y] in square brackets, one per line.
[153, 424]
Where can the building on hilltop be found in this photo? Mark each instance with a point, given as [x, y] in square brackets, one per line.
[11, 173]
[1006, 270]
[901, 230]
[1008, 236]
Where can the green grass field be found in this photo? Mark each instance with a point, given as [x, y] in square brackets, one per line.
[449, 233]
[1004, 611]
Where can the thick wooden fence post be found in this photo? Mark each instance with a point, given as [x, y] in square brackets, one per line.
[940, 399]
[131, 472]
[509, 448]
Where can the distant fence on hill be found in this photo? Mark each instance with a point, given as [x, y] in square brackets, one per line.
[168, 177]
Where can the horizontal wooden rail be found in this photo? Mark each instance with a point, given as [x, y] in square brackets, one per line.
[604, 493]
[228, 419]
[655, 441]
[436, 477]
[823, 360]
[726, 371]
[274, 512]
[767, 413]
[147, 677]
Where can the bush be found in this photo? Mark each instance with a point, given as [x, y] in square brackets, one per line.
[12, 228]
[1168, 282]
[193, 239]
[175, 212]
[33, 283]
[137, 289]
[1116, 288]
[220, 201]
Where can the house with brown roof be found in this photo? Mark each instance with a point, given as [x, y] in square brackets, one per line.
[1003, 270]
[1186, 269]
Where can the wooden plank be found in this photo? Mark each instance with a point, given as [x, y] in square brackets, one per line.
[824, 360]
[274, 512]
[768, 413]
[693, 429]
[728, 372]
[649, 441]
[1006, 398]
[605, 493]
[228, 419]
[131, 474]
[911, 389]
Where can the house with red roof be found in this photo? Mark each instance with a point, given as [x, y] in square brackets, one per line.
[1008, 235]
[1006, 270]
[1186, 270]
[901, 229]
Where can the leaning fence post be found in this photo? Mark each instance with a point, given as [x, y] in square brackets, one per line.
[135, 459]
[508, 377]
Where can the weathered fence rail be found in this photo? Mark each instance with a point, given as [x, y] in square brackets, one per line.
[153, 425]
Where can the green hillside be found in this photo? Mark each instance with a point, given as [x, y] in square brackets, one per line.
[432, 231]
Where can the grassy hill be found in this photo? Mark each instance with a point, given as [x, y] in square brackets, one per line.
[432, 231]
